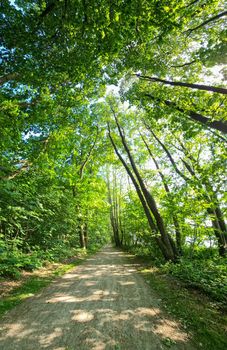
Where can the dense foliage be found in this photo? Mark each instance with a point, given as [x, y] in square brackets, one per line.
[112, 124]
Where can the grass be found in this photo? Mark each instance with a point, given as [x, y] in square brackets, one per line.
[31, 286]
[198, 314]
[35, 283]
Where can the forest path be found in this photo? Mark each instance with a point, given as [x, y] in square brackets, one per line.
[102, 304]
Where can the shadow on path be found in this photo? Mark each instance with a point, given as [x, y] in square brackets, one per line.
[101, 305]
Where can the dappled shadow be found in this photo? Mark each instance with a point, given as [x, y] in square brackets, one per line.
[102, 304]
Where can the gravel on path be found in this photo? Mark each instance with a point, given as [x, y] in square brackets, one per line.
[103, 304]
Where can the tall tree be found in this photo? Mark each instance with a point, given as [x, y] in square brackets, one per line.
[166, 243]
[168, 192]
[207, 192]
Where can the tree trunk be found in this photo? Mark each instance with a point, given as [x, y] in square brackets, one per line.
[217, 124]
[220, 227]
[191, 86]
[210, 195]
[82, 237]
[113, 215]
[217, 220]
[214, 18]
[149, 205]
[86, 235]
[167, 189]
[221, 237]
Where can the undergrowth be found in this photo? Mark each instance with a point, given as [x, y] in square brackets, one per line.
[13, 260]
[204, 271]
[35, 283]
[198, 315]
[209, 276]
[194, 291]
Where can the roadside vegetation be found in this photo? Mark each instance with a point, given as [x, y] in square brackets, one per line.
[204, 272]
[204, 319]
[113, 127]
[31, 283]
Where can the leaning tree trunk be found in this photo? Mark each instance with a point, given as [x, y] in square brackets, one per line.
[164, 242]
[215, 124]
[217, 220]
[214, 210]
[170, 246]
[220, 90]
[167, 189]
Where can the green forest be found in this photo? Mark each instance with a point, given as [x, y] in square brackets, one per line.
[113, 129]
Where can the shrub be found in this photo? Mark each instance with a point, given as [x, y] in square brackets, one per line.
[207, 275]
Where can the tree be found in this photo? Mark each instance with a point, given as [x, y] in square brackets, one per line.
[165, 242]
[58, 133]
[168, 192]
[179, 83]
[206, 190]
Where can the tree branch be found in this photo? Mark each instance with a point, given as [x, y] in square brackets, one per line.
[167, 153]
[48, 9]
[183, 64]
[17, 172]
[219, 90]
[217, 124]
[215, 18]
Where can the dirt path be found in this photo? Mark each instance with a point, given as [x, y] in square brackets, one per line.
[103, 304]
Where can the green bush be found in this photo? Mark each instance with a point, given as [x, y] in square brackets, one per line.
[207, 275]
[13, 260]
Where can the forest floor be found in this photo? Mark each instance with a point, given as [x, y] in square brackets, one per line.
[104, 304]
[8, 285]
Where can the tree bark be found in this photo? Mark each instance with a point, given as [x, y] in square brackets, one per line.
[151, 223]
[168, 192]
[208, 193]
[86, 234]
[189, 85]
[82, 238]
[217, 124]
[113, 216]
[165, 238]
[214, 18]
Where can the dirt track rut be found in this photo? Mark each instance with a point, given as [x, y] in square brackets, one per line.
[104, 304]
